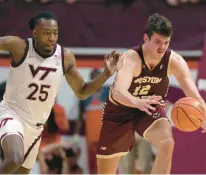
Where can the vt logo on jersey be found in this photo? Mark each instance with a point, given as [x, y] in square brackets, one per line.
[46, 71]
[42, 89]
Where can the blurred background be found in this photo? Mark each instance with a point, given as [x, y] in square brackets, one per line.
[92, 28]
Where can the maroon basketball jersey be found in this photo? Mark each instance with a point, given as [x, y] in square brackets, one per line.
[151, 81]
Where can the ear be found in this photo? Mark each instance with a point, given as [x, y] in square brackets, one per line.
[34, 33]
[145, 38]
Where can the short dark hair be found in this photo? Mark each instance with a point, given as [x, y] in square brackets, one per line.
[159, 24]
[41, 15]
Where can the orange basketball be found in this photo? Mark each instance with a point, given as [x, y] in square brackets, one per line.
[187, 114]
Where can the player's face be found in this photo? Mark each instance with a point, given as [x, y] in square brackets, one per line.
[157, 44]
[46, 34]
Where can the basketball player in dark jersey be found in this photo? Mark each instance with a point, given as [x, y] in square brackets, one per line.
[142, 73]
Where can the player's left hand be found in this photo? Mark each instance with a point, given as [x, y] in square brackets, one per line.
[203, 126]
[110, 62]
[204, 119]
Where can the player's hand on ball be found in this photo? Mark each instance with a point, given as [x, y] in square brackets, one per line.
[146, 104]
[203, 126]
[110, 62]
[204, 117]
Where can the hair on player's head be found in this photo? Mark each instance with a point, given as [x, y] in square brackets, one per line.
[158, 24]
[41, 15]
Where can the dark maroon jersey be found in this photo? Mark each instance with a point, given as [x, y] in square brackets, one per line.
[151, 81]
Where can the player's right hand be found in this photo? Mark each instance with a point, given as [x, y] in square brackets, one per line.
[146, 104]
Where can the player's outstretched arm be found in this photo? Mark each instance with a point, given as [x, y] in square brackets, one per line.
[180, 70]
[10, 43]
[82, 89]
[14, 45]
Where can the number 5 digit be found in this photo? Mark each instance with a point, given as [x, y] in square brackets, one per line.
[43, 92]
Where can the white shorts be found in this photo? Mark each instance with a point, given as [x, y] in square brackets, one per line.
[12, 124]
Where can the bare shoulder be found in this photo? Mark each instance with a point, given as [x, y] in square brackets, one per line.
[130, 56]
[177, 59]
[69, 59]
[177, 63]
[131, 53]
[130, 62]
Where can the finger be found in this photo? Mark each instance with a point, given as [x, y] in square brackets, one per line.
[116, 56]
[147, 111]
[157, 98]
[162, 104]
[153, 102]
[106, 56]
[204, 131]
[110, 55]
[150, 107]
[113, 52]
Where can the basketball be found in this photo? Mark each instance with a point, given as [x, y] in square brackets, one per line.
[187, 114]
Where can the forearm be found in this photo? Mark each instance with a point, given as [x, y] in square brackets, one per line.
[65, 167]
[191, 91]
[126, 98]
[92, 86]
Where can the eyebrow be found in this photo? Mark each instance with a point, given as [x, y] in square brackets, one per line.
[50, 29]
[160, 40]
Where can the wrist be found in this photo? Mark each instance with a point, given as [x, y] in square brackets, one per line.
[136, 101]
[106, 73]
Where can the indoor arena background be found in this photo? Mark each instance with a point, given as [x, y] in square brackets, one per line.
[92, 28]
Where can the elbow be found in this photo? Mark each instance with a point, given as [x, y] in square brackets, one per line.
[82, 94]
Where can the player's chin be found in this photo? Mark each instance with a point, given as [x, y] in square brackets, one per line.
[49, 49]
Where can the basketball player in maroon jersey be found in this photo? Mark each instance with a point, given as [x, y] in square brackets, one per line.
[141, 73]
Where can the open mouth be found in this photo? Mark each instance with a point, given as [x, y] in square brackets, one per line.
[160, 51]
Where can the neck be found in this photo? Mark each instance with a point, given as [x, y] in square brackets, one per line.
[40, 51]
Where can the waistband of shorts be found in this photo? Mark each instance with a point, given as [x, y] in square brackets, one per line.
[115, 102]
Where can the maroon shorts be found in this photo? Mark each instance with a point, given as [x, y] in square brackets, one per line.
[119, 124]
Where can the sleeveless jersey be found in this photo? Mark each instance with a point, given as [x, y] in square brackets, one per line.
[33, 84]
[153, 81]
[149, 82]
